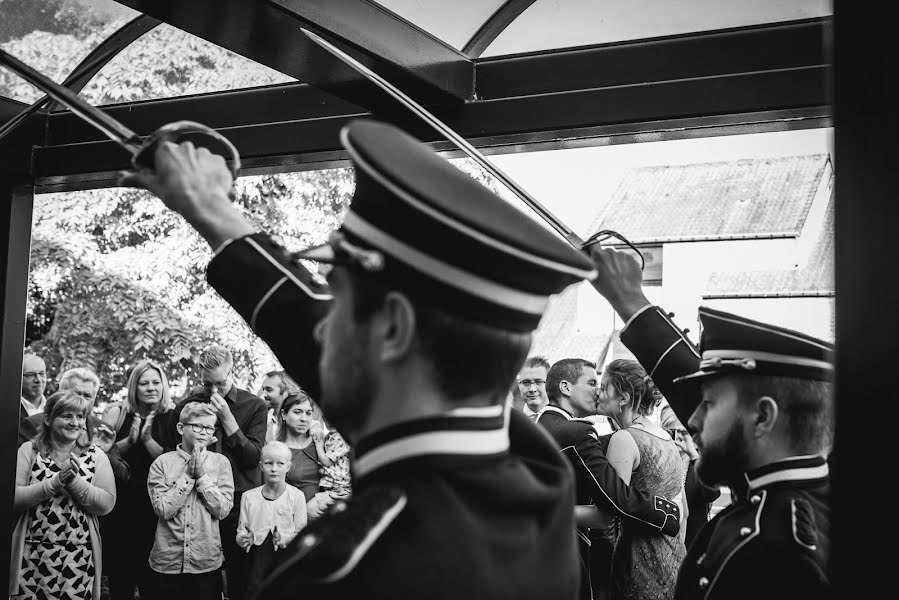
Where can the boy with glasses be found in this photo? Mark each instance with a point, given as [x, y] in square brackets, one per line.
[191, 490]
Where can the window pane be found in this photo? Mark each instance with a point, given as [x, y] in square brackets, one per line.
[453, 22]
[551, 24]
[168, 62]
[53, 36]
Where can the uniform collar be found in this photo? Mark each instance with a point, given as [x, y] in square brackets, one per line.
[470, 432]
[795, 469]
[551, 408]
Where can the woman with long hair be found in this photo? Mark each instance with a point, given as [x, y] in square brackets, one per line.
[144, 424]
[644, 564]
[305, 436]
[61, 489]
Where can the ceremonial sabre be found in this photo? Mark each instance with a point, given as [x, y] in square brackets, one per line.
[142, 151]
[451, 135]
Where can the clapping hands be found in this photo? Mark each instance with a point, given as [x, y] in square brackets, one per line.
[146, 431]
[244, 539]
[69, 472]
[195, 468]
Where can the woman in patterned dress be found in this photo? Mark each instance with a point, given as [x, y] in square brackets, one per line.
[61, 488]
[644, 564]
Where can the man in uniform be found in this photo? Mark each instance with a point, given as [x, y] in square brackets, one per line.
[437, 287]
[571, 389]
[758, 400]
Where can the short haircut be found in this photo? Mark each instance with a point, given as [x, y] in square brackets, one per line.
[195, 409]
[285, 383]
[567, 369]
[57, 404]
[466, 358]
[628, 377]
[536, 361]
[275, 446]
[28, 355]
[807, 404]
[136, 372]
[215, 356]
[82, 373]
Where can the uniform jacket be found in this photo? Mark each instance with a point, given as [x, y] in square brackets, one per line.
[773, 542]
[476, 503]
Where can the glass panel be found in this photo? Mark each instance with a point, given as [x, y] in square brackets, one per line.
[551, 24]
[168, 62]
[53, 36]
[453, 22]
[745, 224]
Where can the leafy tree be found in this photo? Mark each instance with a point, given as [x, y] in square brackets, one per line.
[115, 277]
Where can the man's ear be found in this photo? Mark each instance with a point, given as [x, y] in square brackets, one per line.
[766, 415]
[565, 387]
[395, 326]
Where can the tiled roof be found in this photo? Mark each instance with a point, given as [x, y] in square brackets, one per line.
[562, 334]
[816, 276]
[768, 196]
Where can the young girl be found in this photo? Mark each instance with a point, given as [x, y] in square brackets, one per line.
[271, 515]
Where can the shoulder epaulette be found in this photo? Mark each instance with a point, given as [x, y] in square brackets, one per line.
[332, 546]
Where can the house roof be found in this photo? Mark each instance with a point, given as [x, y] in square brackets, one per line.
[733, 199]
[563, 333]
[816, 277]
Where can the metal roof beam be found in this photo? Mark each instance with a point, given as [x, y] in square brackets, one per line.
[268, 32]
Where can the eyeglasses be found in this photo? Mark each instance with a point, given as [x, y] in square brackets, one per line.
[34, 375]
[605, 234]
[210, 429]
[526, 383]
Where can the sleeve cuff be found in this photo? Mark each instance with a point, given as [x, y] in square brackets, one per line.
[228, 242]
[635, 315]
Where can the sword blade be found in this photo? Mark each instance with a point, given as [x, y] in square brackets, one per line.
[451, 135]
[114, 130]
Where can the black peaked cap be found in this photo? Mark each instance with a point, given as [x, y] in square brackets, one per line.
[448, 239]
[733, 344]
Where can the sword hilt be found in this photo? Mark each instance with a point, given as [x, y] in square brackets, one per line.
[187, 131]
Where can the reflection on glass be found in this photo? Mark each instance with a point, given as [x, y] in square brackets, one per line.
[453, 22]
[167, 62]
[549, 24]
[53, 36]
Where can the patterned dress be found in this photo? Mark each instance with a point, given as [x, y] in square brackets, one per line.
[645, 564]
[58, 562]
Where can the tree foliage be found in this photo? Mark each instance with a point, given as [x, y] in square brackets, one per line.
[115, 277]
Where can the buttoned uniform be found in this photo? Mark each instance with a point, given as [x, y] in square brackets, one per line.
[597, 482]
[459, 506]
[773, 541]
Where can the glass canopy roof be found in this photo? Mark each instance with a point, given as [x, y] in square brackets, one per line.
[55, 35]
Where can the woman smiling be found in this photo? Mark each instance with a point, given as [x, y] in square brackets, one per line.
[61, 488]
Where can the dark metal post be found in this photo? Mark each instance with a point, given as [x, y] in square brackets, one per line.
[16, 201]
[866, 156]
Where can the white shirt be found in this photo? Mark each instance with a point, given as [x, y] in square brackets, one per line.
[31, 409]
[260, 515]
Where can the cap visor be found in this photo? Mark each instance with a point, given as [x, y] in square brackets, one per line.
[323, 254]
[693, 377]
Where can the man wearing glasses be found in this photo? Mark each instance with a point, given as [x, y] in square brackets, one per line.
[241, 421]
[34, 382]
[532, 384]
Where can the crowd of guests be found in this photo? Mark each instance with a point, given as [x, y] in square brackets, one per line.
[167, 498]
